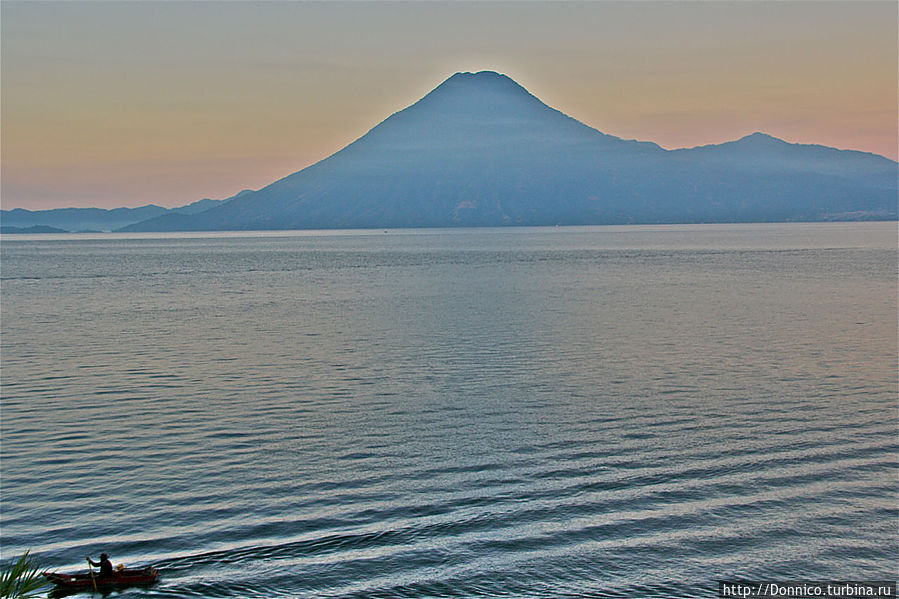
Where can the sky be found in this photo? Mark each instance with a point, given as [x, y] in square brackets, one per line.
[127, 103]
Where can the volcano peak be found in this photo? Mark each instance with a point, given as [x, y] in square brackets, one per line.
[480, 84]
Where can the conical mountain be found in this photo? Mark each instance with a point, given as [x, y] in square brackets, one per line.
[480, 150]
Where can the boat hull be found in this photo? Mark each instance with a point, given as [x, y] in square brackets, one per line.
[122, 578]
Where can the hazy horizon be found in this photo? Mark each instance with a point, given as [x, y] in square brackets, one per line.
[122, 105]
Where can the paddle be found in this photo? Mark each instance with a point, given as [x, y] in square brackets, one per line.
[91, 570]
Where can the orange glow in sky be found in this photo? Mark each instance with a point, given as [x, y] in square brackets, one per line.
[112, 104]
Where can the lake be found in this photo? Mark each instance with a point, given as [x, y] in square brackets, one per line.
[536, 412]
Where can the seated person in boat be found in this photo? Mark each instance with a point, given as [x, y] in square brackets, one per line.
[104, 564]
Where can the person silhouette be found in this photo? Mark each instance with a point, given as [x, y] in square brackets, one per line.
[104, 564]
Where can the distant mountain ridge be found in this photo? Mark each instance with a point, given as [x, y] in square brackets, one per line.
[31, 230]
[480, 150]
[63, 220]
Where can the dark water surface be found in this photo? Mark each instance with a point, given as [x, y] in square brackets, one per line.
[602, 412]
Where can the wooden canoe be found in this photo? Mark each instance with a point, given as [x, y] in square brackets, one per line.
[121, 578]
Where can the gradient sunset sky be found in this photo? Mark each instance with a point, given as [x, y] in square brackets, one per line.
[112, 104]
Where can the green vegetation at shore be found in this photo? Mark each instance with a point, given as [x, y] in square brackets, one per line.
[21, 579]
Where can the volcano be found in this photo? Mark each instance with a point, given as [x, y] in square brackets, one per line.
[480, 150]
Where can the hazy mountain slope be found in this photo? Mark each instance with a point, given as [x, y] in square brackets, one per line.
[94, 219]
[30, 230]
[79, 219]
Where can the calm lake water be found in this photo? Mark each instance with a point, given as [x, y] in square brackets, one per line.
[593, 412]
